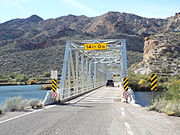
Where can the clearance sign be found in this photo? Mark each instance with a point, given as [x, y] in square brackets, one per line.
[95, 46]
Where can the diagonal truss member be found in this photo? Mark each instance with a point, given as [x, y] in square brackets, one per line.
[84, 70]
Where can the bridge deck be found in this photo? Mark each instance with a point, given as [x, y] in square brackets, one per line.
[97, 113]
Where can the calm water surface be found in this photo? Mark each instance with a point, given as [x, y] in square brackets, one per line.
[145, 98]
[25, 91]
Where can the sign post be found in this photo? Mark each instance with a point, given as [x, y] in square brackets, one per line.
[125, 85]
[153, 83]
[54, 84]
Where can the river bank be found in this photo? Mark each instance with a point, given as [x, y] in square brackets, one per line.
[11, 84]
[169, 101]
[25, 91]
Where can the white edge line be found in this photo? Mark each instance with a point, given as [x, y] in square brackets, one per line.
[122, 113]
[26, 114]
[128, 128]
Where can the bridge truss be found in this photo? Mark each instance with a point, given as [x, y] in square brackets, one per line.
[84, 70]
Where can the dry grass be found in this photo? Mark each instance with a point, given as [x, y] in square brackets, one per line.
[46, 87]
[169, 103]
[14, 104]
[170, 107]
[19, 104]
[35, 103]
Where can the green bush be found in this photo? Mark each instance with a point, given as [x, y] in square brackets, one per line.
[3, 80]
[33, 103]
[142, 82]
[14, 104]
[47, 74]
[139, 82]
[173, 92]
[12, 76]
[169, 103]
[162, 79]
[21, 78]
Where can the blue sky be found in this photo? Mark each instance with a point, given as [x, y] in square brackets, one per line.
[11, 9]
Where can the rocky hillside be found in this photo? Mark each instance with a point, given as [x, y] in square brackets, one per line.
[161, 55]
[19, 37]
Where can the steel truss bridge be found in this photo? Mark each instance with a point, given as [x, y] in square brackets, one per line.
[84, 70]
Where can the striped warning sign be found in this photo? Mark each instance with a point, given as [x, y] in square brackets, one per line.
[125, 84]
[54, 85]
[153, 82]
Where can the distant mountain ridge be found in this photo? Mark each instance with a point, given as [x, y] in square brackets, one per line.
[34, 32]
[19, 35]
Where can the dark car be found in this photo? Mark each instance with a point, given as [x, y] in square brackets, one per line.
[110, 83]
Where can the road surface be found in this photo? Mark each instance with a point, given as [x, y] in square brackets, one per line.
[97, 113]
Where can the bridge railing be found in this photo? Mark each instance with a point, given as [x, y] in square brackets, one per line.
[70, 92]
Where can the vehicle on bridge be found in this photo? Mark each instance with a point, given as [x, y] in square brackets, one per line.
[110, 83]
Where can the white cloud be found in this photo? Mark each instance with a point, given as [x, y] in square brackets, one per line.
[81, 6]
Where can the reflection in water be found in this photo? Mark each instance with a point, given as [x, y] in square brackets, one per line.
[145, 98]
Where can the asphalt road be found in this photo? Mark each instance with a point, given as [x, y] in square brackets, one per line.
[97, 113]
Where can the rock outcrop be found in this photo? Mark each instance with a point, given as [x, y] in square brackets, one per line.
[161, 55]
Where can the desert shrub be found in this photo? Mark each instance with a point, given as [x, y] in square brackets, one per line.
[169, 103]
[34, 103]
[32, 82]
[170, 107]
[3, 80]
[162, 79]
[139, 82]
[46, 87]
[47, 74]
[12, 76]
[173, 92]
[14, 104]
[39, 105]
[21, 78]
[142, 82]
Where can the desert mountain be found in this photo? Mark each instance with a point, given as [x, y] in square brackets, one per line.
[30, 38]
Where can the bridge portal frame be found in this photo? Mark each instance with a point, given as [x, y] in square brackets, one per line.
[85, 70]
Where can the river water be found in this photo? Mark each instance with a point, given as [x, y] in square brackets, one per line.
[33, 91]
[145, 98]
[25, 91]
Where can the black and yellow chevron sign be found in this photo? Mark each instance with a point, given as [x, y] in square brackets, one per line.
[54, 85]
[125, 84]
[153, 82]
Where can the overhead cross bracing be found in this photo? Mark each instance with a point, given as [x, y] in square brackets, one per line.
[84, 70]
